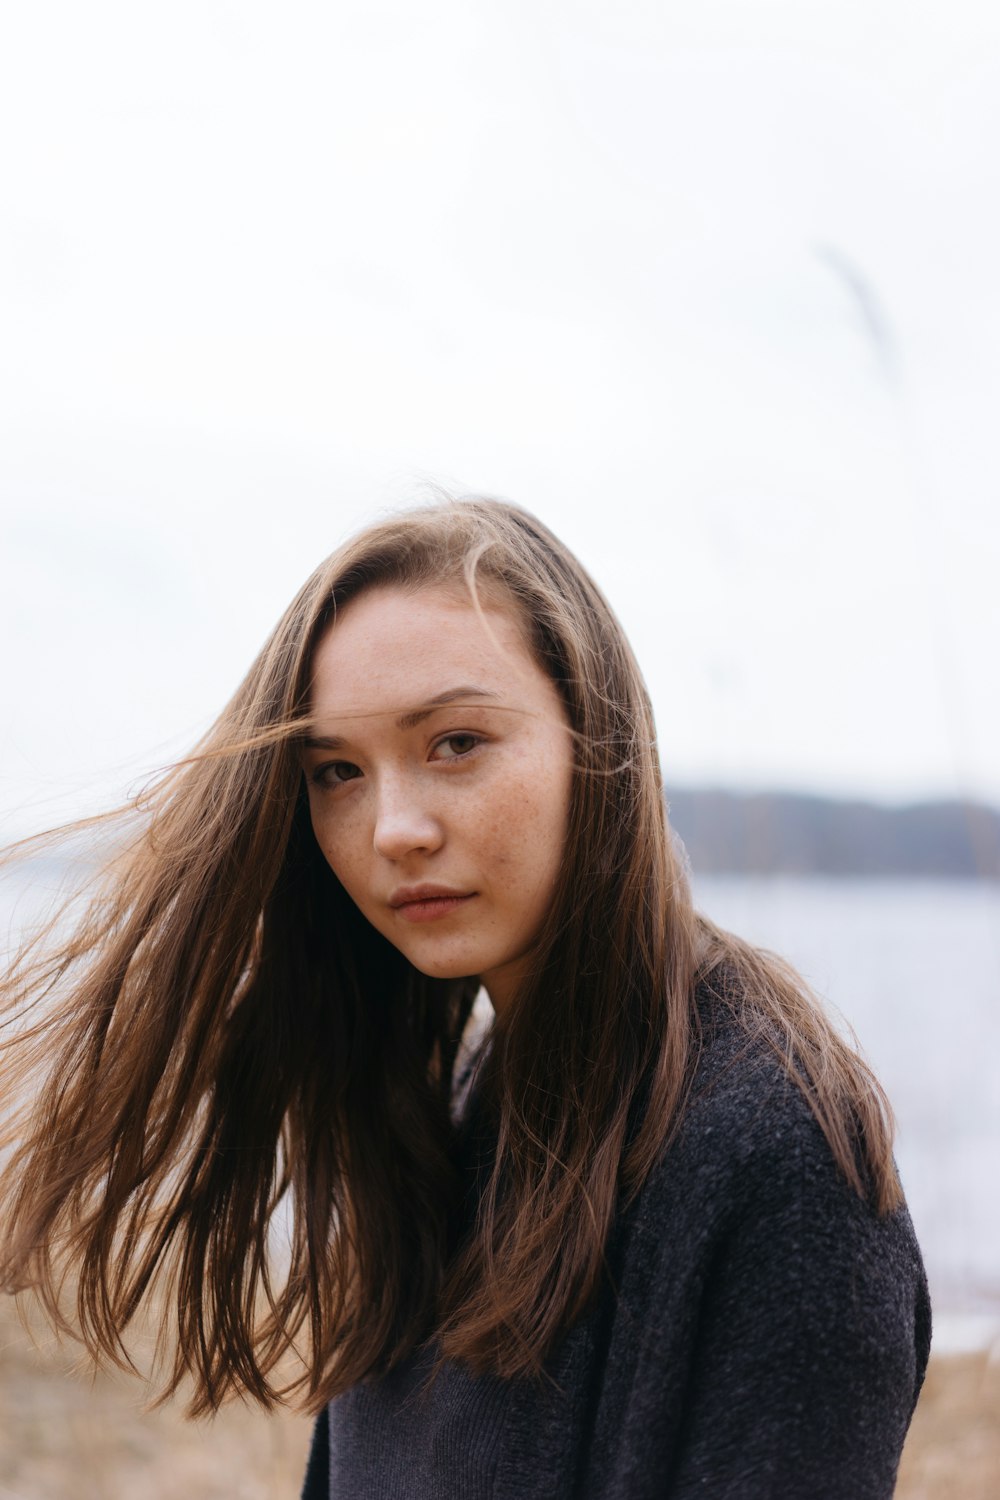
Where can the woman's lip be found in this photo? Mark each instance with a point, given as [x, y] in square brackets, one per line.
[429, 908]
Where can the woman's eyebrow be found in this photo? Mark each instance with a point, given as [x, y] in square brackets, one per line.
[411, 718]
[450, 695]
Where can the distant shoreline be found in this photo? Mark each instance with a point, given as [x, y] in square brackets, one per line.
[786, 833]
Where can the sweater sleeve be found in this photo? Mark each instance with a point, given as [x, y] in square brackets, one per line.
[813, 1336]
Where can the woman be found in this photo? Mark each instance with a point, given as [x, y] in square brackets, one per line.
[656, 1246]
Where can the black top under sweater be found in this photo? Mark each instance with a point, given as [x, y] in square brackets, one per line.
[768, 1339]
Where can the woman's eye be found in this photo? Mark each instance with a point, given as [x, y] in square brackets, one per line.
[336, 771]
[454, 746]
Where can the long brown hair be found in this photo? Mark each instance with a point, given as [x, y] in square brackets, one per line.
[222, 1032]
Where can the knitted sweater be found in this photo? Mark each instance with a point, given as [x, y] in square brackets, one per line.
[767, 1337]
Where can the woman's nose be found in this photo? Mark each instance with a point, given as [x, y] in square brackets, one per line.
[404, 823]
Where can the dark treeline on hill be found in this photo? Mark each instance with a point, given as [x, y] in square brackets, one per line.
[782, 833]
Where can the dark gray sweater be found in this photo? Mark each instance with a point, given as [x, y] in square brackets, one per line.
[768, 1338]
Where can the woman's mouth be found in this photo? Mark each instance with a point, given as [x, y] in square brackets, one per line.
[427, 905]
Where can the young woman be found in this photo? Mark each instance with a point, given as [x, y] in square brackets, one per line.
[646, 1240]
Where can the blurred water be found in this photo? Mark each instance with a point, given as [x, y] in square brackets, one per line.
[914, 969]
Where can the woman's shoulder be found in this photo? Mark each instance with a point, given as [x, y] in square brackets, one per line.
[747, 1101]
[749, 1136]
[749, 1190]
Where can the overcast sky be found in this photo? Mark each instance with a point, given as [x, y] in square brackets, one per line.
[709, 286]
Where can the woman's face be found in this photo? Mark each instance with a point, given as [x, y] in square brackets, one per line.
[439, 779]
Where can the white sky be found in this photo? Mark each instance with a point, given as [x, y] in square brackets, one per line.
[709, 286]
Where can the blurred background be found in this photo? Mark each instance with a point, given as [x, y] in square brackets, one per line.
[710, 287]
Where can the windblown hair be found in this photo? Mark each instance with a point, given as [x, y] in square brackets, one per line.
[222, 1033]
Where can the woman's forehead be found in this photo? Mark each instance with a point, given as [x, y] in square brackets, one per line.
[393, 648]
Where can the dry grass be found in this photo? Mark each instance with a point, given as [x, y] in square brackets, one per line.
[953, 1449]
[63, 1434]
